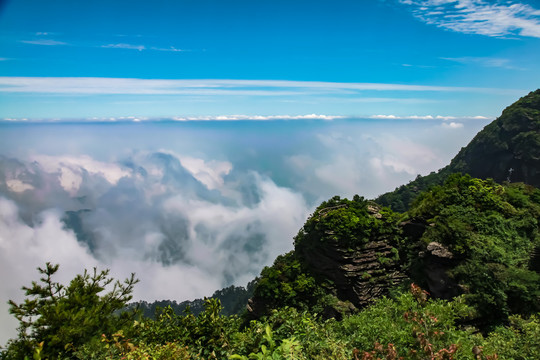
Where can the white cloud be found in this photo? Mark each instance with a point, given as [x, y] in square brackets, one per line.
[17, 185]
[483, 61]
[508, 18]
[210, 173]
[362, 163]
[74, 86]
[427, 117]
[179, 222]
[124, 46]
[171, 49]
[257, 117]
[46, 42]
[72, 169]
[23, 248]
[277, 216]
[452, 125]
[388, 117]
[42, 40]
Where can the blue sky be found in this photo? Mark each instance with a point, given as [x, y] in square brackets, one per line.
[74, 59]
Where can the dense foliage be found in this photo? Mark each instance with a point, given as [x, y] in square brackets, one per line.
[288, 283]
[338, 220]
[346, 224]
[507, 148]
[492, 230]
[401, 198]
[410, 326]
[232, 298]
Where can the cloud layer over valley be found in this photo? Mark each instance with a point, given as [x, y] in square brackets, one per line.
[175, 221]
[190, 207]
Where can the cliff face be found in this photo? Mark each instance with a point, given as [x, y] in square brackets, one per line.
[360, 274]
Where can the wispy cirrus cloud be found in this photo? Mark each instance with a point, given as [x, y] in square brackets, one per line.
[46, 42]
[124, 46]
[257, 117]
[85, 85]
[428, 117]
[483, 61]
[141, 47]
[44, 38]
[490, 18]
[168, 49]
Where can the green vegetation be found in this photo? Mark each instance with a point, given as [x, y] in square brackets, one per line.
[410, 325]
[345, 223]
[232, 298]
[491, 231]
[288, 283]
[507, 149]
[55, 320]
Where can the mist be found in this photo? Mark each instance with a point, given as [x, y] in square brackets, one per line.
[189, 207]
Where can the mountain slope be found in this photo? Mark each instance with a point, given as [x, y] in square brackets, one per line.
[508, 149]
[470, 236]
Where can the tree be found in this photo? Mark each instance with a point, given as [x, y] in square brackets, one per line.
[56, 319]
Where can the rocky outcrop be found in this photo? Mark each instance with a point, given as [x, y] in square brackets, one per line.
[535, 260]
[413, 229]
[256, 308]
[360, 275]
[438, 261]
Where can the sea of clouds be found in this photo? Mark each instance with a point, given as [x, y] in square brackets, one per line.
[188, 208]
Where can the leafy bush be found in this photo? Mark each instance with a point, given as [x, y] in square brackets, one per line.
[288, 283]
[206, 335]
[337, 220]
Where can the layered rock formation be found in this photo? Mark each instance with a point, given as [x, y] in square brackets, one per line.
[360, 275]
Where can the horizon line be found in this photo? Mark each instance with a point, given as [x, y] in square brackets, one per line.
[235, 117]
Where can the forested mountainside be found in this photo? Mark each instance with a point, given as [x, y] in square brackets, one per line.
[455, 276]
[469, 237]
[508, 149]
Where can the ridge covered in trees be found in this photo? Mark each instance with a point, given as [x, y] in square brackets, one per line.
[507, 149]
